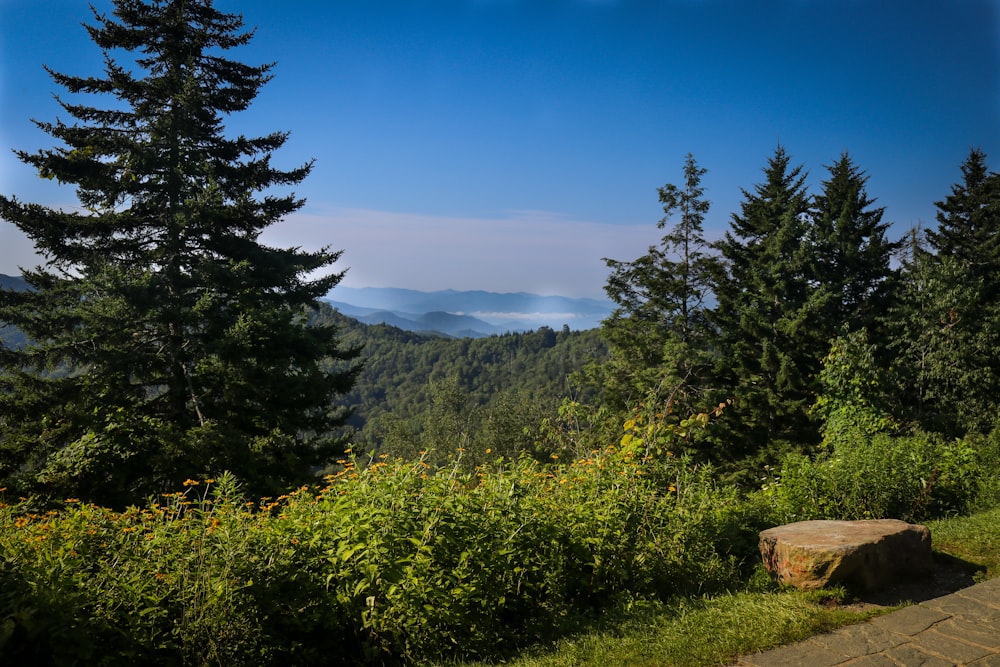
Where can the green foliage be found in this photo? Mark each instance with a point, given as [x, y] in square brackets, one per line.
[658, 331]
[500, 386]
[398, 560]
[911, 477]
[850, 255]
[853, 392]
[769, 352]
[945, 330]
[797, 273]
[164, 340]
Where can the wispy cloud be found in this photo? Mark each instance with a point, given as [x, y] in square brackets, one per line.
[518, 251]
[530, 251]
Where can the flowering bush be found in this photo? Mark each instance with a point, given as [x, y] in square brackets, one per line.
[390, 561]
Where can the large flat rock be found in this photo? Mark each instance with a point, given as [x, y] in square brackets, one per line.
[861, 554]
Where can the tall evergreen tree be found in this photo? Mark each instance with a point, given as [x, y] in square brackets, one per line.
[851, 254]
[769, 354]
[969, 224]
[658, 331]
[947, 327]
[166, 340]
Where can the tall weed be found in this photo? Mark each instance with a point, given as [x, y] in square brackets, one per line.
[912, 477]
[395, 561]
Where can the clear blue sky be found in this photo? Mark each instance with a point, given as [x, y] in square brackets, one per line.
[509, 145]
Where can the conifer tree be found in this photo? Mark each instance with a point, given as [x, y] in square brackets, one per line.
[769, 355]
[947, 327]
[658, 331]
[851, 254]
[166, 340]
[969, 224]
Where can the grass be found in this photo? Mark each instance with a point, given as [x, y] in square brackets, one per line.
[974, 538]
[715, 631]
[696, 632]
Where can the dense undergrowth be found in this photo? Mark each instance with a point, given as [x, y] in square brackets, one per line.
[395, 561]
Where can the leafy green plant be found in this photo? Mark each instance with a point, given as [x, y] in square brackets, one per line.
[910, 477]
[393, 560]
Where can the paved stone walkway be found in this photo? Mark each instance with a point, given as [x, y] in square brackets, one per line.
[958, 629]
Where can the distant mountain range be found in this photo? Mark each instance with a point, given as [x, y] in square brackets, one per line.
[460, 314]
[470, 313]
[13, 282]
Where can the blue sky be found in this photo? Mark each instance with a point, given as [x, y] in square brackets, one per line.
[509, 145]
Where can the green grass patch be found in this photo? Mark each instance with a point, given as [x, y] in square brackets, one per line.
[695, 632]
[715, 631]
[974, 538]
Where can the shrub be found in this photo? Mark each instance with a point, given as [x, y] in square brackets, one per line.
[395, 561]
[911, 477]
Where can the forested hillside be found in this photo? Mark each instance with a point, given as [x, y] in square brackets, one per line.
[407, 376]
[170, 387]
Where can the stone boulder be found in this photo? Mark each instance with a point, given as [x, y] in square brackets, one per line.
[860, 554]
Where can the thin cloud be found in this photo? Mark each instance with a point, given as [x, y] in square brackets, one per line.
[531, 251]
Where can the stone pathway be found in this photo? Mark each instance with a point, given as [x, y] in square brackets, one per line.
[958, 629]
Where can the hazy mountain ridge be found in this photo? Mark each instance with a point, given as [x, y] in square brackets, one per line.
[13, 282]
[455, 313]
[449, 324]
[470, 313]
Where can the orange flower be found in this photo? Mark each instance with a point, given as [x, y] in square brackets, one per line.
[191, 482]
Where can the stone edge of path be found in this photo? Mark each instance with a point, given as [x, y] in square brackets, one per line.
[961, 628]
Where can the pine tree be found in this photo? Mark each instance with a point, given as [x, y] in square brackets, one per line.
[769, 354]
[947, 327]
[851, 254]
[658, 331]
[969, 223]
[166, 340]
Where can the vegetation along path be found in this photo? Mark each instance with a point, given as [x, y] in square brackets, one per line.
[962, 628]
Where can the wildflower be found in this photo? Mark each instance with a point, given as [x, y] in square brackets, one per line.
[191, 482]
[21, 522]
[209, 481]
[72, 500]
